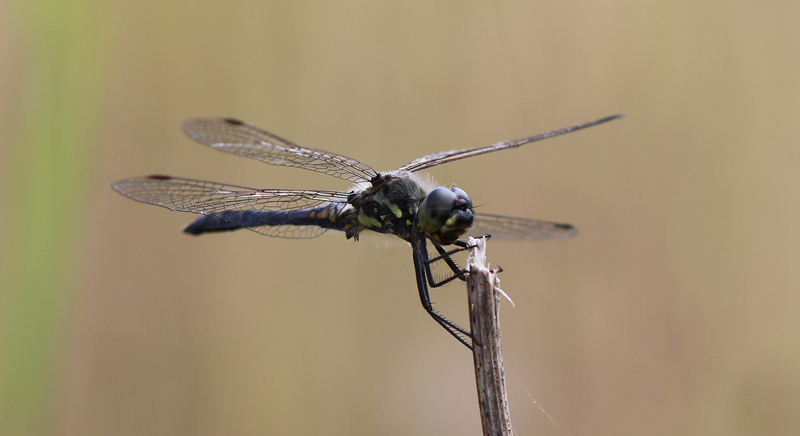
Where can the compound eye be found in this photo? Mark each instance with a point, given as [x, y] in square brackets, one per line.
[462, 196]
[435, 209]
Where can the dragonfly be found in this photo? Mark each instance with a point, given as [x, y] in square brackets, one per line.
[399, 202]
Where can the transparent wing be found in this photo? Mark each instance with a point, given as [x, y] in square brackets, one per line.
[242, 139]
[202, 197]
[434, 159]
[506, 228]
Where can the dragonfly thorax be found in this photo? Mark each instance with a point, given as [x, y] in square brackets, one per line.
[398, 203]
[388, 205]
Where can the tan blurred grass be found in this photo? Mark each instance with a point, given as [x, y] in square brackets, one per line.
[674, 312]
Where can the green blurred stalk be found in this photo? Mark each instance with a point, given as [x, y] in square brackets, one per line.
[44, 175]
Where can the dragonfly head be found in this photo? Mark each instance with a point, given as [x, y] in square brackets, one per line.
[445, 214]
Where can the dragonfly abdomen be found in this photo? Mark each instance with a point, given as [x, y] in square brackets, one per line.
[324, 216]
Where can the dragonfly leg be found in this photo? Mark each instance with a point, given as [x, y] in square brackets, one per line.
[445, 255]
[451, 263]
[422, 270]
[465, 244]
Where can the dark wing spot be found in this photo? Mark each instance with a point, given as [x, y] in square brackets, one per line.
[234, 121]
[159, 177]
[565, 226]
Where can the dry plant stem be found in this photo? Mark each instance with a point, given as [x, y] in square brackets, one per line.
[485, 328]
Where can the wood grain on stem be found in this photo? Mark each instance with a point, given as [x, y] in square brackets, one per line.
[485, 328]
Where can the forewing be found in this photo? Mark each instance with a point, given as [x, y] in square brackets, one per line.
[203, 197]
[442, 157]
[242, 139]
[507, 228]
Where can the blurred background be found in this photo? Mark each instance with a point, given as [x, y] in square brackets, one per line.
[674, 312]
